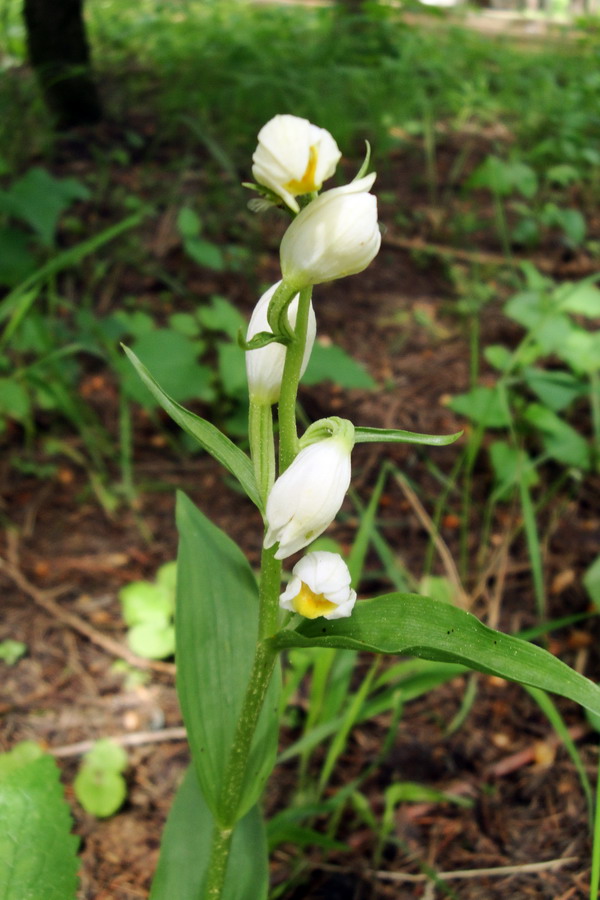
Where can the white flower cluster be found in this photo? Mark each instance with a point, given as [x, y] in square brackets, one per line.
[333, 235]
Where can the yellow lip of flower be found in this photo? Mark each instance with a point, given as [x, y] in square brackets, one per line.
[311, 605]
[307, 183]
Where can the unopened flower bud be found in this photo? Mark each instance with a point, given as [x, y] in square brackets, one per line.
[334, 236]
[264, 366]
[306, 498]
[294, 157]
[320, 586]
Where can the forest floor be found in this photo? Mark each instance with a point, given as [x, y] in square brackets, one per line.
[64, 560]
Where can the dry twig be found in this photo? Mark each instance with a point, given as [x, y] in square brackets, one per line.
[45, 600]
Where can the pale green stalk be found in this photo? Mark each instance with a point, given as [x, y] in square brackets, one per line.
[263, 457]
[262, 447]
[288, 435]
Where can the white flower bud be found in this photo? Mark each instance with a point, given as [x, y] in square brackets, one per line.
[306, 498]
[294, 157]
[334, 236]
[320, 586]
[264, 366]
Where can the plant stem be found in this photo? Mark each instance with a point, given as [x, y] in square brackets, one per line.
[262, 449]
[217, 866]
[288, 435]
[258, 683]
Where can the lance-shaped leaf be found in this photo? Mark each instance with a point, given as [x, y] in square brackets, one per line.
[185, 851]
[208, 436]
[365, 435]
[216, 629]
[412, 625]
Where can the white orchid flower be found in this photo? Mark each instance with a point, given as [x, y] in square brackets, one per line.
[335, 235]
[306, 498]
[294, 157]
[264, 366]
[320, 586]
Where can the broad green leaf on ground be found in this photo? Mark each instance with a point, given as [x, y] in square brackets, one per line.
[185, 849]
[560, 440]
[412, 625]
[483, 405]
[157, 349]
[39, 199]
[216, 634]
[99, 785]
[38, 853]
[331, 363]
[583, 297]
[555, 388]
[205, 433]
[365, 435]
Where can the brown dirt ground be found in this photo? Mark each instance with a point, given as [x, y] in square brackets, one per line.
[60, 547]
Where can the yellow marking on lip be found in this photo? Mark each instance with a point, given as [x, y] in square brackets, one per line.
[311, 605]
[307, 183]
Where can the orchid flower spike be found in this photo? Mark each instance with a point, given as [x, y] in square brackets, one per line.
[320, 586]
[294, 157]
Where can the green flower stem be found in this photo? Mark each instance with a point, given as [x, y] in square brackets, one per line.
[262, 448]
[288, 435]
[260, 677]
[217, 866]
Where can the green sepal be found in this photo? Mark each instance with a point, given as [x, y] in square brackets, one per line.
[332, 427]
[277, 314]
[261, 339]
[396, 436]
[216, 628]
[365, 164]
[185, 850]
[205, 433]
[411, 625]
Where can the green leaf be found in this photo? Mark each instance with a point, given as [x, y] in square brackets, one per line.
[216, 631]
[560, 440]
[38, 854]
[331, 363]
[365, 435]
[173, 358]
[12, 651]
[580, 349]
[482, 405]
[511, 465]
[205, 253]
[591, 581]
[232, 370]
[39, 199]
[221, 315]
[185, 850]
[152, 640]
[554, 387]
[208, 436]
[107, 754]
[582, 298]
[145, 602]
[16, 260]
[188, 223]
[14, 400]
[412, 625]
[100, 791]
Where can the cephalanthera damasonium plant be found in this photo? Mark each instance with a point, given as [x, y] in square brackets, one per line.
[231, 629]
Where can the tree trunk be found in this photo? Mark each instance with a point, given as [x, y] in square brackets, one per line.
[59, 54]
